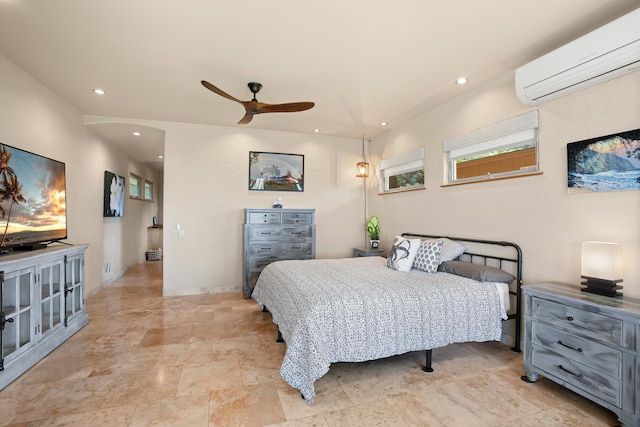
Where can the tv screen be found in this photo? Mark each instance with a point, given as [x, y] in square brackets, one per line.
[32, 199]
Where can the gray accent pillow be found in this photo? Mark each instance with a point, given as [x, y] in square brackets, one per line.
[450, 249]
[428, 257]
[481, 273]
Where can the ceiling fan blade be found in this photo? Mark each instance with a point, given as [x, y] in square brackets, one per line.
[246, 119]
[291, 107]
[220, 92]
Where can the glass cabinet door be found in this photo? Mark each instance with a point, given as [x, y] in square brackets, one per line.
[16, 313]
[51, 296]
[74, 289]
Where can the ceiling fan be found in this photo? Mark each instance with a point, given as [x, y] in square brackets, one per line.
[254, 107]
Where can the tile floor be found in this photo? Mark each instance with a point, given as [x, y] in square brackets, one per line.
[212, 360]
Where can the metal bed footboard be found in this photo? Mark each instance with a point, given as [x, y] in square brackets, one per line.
[495, 261]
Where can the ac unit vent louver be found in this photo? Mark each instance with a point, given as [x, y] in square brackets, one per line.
[606, 53]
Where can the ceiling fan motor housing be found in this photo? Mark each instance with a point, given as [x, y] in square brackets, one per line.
[254, 87]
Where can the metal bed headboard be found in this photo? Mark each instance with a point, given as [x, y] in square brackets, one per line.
[517, 260]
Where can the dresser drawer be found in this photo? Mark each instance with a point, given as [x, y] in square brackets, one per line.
[597, 356]
[296, 249]
[259, 263]
[265, 233]
[265, 248]
[297, 218]
[265, 218]
[579, 320]
[297, 232]
[589, 380]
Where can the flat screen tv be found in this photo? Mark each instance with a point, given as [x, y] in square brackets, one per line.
[32, 200]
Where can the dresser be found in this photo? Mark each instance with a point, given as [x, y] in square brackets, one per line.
[585, 342]
[274, 235]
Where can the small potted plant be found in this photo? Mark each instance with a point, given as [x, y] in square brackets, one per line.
[374, 232]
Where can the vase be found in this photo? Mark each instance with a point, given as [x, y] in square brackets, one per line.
[374, 243]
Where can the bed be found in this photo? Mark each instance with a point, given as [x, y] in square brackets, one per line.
[358, 309]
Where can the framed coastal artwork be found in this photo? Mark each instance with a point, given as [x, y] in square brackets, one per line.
[606, 163]
[276, 171]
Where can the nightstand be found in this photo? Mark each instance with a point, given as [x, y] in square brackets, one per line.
[358, 252]
[585, 342]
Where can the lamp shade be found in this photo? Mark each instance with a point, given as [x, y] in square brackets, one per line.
[602, 260]
[362, 170]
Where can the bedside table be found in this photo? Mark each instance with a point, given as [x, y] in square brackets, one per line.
[588, 343]
[358, 252]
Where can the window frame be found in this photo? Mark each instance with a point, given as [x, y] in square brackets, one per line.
[137, 185]
[404, 163]
[517, 132]
[141, 187]
[147, 185]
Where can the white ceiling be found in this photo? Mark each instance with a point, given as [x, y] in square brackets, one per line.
[361, 61]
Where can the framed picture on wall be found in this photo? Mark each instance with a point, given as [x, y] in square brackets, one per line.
[276, 171]
[606, 163]
[113, 195]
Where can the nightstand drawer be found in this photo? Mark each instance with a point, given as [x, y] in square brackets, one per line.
[579, 320]
[597, 356]
[591, 381]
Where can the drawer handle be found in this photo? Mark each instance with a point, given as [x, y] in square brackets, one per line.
[296, 247]
[570, 318]
[562, 368]
[578, 349]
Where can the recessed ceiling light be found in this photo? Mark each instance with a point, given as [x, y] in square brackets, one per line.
[461, 81]
[161, 157]
[137, 133]
[383, 123]
[316, 130]
[99, 91]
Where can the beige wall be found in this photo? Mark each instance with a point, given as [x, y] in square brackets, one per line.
[35, 119]
[535, 212]
[206, 179]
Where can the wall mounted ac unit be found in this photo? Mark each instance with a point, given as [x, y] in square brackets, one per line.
[604, 54]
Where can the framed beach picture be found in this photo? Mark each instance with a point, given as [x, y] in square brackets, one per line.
[276, 171]
[606, 163]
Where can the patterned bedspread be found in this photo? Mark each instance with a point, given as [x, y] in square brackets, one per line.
[357, 309]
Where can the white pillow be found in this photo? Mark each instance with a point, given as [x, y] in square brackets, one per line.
[402, 253]
[450, 249]
[428, 257]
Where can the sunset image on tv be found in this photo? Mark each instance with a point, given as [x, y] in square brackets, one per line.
[32, 198]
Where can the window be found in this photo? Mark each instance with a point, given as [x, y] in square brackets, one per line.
[148, 190]
[403, 172]
[140, 188]
[135, 186]
[505, 149]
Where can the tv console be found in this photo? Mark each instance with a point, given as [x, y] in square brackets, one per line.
[41, 305]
